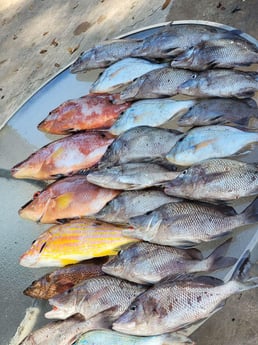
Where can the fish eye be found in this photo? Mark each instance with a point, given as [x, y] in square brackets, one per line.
[184, 172]
[70, 290]
[133, 307]
[194, 76]
[33, 242]
[35, 195]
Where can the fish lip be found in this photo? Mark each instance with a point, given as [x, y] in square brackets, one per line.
[77, 66]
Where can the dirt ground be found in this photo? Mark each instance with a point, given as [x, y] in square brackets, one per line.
[40, 37]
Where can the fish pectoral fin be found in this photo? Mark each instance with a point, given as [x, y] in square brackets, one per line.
[244, 93]
[203, 144]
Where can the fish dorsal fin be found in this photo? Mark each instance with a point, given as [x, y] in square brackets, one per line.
[195, 254]
[207, 280]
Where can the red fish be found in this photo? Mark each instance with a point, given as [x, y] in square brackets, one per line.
[68, 198]
[64, 157]
[87, 112]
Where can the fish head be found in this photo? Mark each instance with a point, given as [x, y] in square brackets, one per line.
[84, 62]
[118, 264]
[113, 153]
[64, 305]
[102, 177]
[185, 59]
[31, 258]
[28, 168]
[187, 181]
[191, 86]
[188, 118]
[133, 321]
[132, 90]
[38, 288]
[144, 226]
[35, 208]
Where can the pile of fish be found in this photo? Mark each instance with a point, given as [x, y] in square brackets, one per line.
[133, 194]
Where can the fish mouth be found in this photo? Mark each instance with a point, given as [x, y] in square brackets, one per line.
[77, 65]
[124, 327]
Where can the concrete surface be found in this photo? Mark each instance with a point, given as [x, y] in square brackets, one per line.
[39, 37]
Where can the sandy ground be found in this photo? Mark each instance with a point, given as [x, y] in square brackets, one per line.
[39, 38]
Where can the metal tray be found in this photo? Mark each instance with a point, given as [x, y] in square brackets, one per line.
[18, 139]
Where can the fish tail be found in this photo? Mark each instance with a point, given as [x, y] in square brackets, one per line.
[217, 259]
[240, 274]
[251, 213]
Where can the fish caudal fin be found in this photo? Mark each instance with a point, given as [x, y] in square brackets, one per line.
[251, 213]
[217, 259]
[241, 271]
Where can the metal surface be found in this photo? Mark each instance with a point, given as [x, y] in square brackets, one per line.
[17, 140]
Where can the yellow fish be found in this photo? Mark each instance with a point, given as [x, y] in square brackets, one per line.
[73, 242]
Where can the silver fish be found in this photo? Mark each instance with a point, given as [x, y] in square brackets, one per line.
[210, 142]
[150, 112]
[131, 176]
[174, 39]
[139, 144]
[147, 263]
[216, 179]
[222, 53]
[108, 337]
[95, 296]
[220, 83]
[131, 204]
[155, 84]
[121, 73]
[104, 54]
[174, 305]
[188, 223]
[66, 332]
[221, 111]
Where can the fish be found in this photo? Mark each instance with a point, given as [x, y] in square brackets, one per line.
[173, 305]
[104, 54]
[159, 83]
[169, 40]
[68, 198]
[173, 39]
[150, 112]
[66, 332]
[188, 223]
[88, 112]
[140, 144]
[103, 336]
[95, 296]
[221, 53]
[220, 83]
[206, 142]
[132, 203]
[64, 156]
[72, 242]
[148, 263]
[122, 73]
[215, 180]
[131, 176]
[60, 280]
[214, 111]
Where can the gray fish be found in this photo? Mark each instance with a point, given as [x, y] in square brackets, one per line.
[216, 179]
[188, 223]
[68, 331]
[221, 111]
[211, 142]
[173, 305]
[131, 176]
[220, 83]
[174, 39]
[158, 83]
[108, 337]
[139, 144]
[221, 53]
[131, 204]
[147, 263]
[104, 54]
[93, 297]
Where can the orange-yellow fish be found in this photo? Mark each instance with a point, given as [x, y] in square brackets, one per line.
[88, 112]
[65, 156]
[72, 242]
[71, 197]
